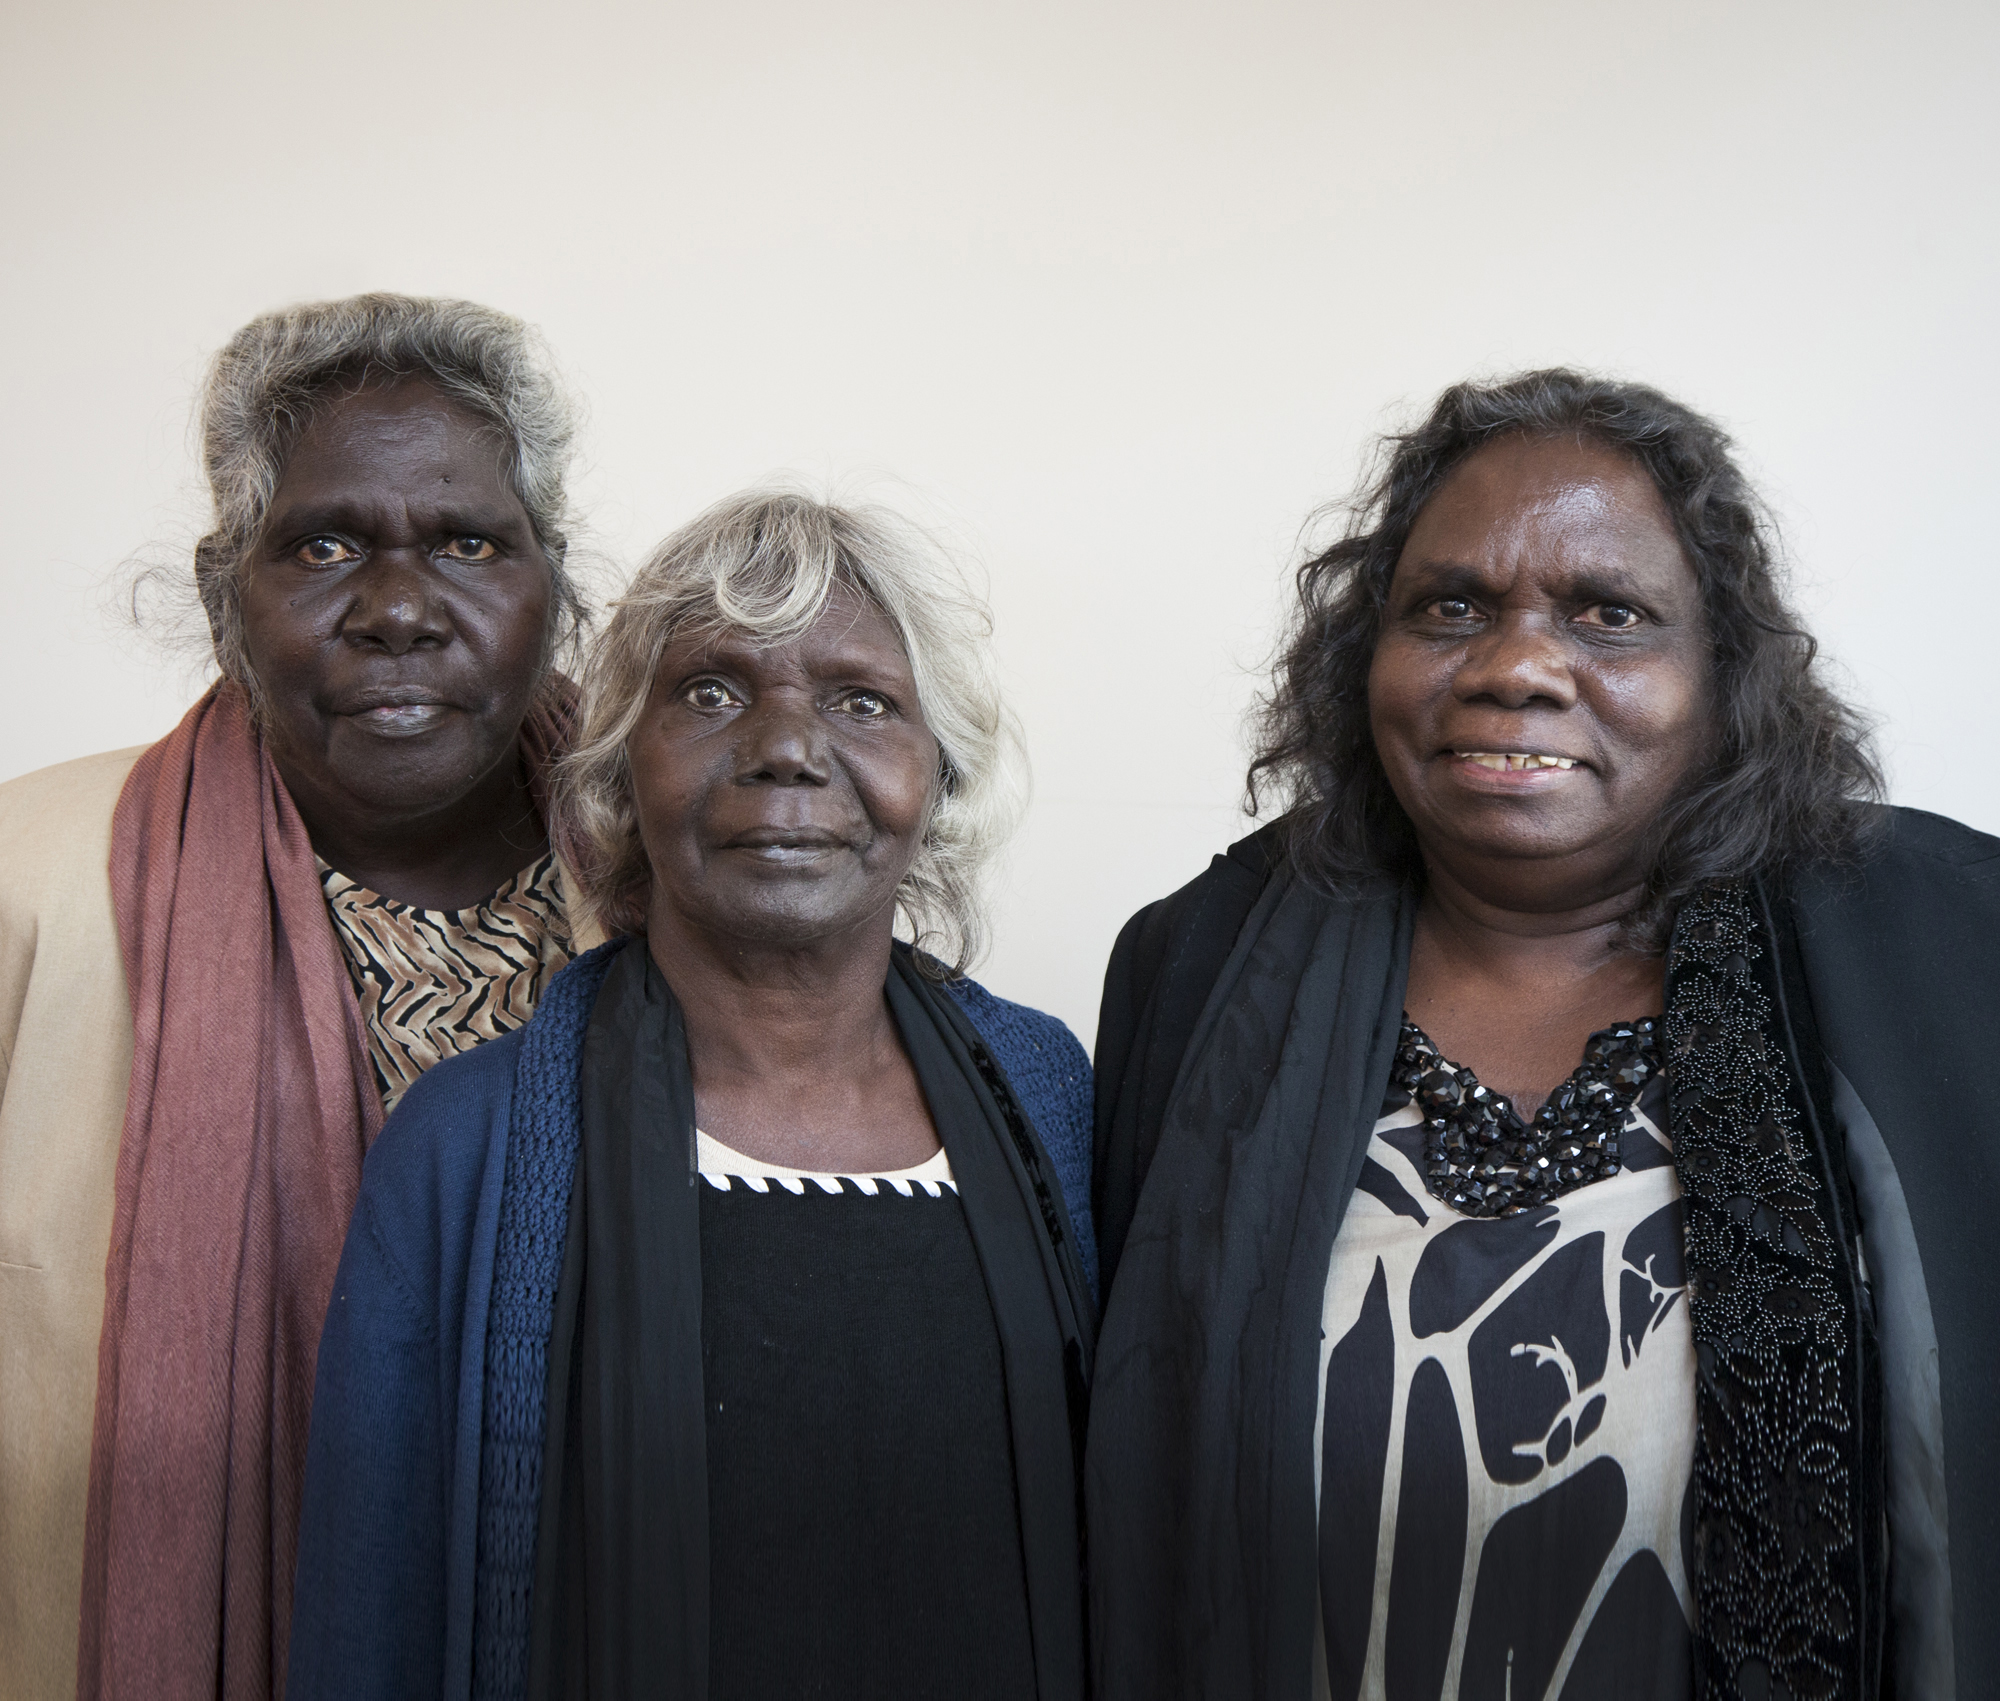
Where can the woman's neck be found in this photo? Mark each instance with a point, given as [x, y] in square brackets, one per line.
[448, 858]
[1512, 993]
[795, 1056]
[761, 1012]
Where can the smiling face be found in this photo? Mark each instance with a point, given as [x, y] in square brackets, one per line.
[1539, 691]
[395, 609]
[782, 792]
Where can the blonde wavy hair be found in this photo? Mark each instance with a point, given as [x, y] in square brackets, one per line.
[764, 563]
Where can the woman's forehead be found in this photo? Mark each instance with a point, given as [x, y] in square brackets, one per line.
[1554, 508]
[1568, 479]
[406, 436]
[848, 632]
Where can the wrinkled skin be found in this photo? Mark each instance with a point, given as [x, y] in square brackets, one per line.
[782, 794]
[396, 610]
[1541, 606]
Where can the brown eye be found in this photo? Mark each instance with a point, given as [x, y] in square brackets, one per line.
[866, 705]
[470, 548]
[1614, 616]
[710, 694]
[323, 552]
[1451, 608]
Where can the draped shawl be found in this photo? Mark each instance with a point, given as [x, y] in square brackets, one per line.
[252, 1102]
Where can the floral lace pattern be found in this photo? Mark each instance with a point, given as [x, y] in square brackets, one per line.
[1777, 1566]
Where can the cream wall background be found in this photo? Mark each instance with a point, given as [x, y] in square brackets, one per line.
[1114, 294]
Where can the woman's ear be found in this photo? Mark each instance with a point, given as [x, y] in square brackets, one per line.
[212, 582]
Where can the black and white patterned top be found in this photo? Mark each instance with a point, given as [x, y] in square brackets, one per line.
[1506, 1436]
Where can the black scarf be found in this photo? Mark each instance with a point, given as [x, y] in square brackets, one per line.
[620, 1606]
[1200, 1473]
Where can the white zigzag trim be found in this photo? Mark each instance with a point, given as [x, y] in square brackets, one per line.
[719, 1165]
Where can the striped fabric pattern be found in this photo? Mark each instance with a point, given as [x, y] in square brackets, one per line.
[434, 983]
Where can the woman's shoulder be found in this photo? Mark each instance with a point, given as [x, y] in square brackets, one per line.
[1902, 937]
[1040, 1043]
[1197, 924]
[1168, 955]
[473, 1085]
[86, 783]
[59, 928]
[1912, 865]
[1049, 1071]
[1917, 833]
[55, 824]
[433, 1152]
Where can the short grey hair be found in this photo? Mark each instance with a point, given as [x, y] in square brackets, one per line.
[765, 563]
[273, 378]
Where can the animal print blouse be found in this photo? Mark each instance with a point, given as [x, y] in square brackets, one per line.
[433, 983]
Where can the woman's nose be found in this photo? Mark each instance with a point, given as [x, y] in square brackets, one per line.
[396, 605]
[784, 743]
[1517, 662]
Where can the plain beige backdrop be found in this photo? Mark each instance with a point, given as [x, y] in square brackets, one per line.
[1115, 295]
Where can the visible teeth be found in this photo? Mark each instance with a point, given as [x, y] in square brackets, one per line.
[1509, 762]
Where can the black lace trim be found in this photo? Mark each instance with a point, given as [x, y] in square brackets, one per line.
[1776, 1567]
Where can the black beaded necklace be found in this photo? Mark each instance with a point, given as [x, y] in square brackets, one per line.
[1482, 1160]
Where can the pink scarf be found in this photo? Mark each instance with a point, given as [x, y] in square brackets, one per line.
[252, 1103]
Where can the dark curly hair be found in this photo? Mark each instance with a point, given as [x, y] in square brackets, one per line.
[1794, 773]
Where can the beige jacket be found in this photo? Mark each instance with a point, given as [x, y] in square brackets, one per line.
[65, 1063]
[65, 1060]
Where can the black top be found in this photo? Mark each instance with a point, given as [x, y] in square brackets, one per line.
[863, 1539]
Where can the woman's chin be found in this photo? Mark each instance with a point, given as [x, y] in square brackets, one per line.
[414, 774]
[1514, 833]
[804, 912]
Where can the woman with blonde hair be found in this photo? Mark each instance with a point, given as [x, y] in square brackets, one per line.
[725, 1331]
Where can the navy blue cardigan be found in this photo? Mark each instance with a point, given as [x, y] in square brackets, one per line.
[417, 1533]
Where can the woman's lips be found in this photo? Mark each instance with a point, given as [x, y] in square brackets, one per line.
[1513, 761]
[1513, 770]
[402, 720]
[784, 849]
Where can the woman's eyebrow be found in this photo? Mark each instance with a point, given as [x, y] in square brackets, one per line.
[874, 671]
[1438, 577]
[1603, 582]
[345, 511]
[336, 512]
[491, 519]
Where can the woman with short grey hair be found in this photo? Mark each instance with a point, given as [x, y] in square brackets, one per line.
[764, 564]
[224, 957]
[735, 1315]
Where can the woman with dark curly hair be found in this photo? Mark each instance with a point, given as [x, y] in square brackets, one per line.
[1538, 1263]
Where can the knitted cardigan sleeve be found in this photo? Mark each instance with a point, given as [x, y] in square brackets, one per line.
[1049, 1071]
